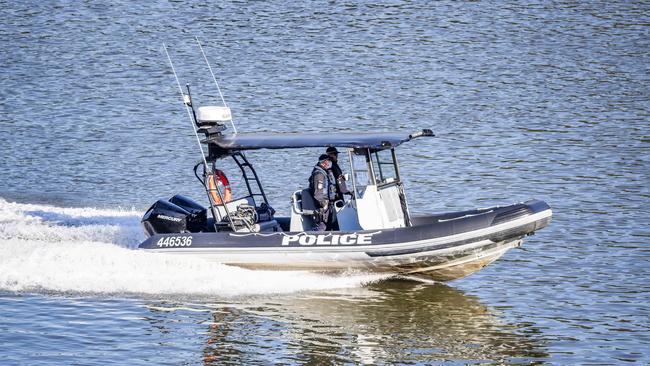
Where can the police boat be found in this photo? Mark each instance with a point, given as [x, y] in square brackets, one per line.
[374, 231]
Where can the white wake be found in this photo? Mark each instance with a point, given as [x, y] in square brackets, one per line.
[88, 250]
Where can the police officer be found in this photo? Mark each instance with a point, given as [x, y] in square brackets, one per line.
[322, 186]
[341, 186]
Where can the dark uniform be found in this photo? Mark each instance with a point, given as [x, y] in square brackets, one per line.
[322, 186]
[341, 186]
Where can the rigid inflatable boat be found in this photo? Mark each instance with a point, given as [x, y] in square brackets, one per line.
[376, 231]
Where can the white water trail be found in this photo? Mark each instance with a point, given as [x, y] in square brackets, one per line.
[88, 250]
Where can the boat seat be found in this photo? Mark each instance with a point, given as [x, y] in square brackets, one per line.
[302, 211]
[307, 203]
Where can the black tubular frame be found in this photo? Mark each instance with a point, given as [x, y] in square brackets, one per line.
[207, 191]
[243, 164]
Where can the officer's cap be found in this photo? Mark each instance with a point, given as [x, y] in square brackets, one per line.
[331, 150]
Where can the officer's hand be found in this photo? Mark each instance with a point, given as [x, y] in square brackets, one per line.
[323, 203]
[349, 194]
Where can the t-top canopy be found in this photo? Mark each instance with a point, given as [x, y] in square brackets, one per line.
[371, 140]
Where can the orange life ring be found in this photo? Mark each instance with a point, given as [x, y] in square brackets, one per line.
[218, 179]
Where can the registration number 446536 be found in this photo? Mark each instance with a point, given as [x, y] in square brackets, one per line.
[175, 241]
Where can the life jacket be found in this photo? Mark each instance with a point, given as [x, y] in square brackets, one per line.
[218, 181]
[329, 189]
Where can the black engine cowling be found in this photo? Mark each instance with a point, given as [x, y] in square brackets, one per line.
[179, 214]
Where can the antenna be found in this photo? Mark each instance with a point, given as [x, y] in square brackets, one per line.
[185, 99]
[232, 123]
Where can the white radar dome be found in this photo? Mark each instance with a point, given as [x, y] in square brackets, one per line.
[209, 114]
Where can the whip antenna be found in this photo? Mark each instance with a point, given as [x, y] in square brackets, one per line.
[186, 101]
[232, 123]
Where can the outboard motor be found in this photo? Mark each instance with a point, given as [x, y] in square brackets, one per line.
[178, 215]
[198, 218]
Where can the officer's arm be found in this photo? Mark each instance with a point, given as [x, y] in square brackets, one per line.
[319, 184]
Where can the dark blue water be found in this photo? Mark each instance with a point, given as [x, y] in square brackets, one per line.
[537, 100]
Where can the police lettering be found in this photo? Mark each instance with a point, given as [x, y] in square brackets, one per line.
[328, 239]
